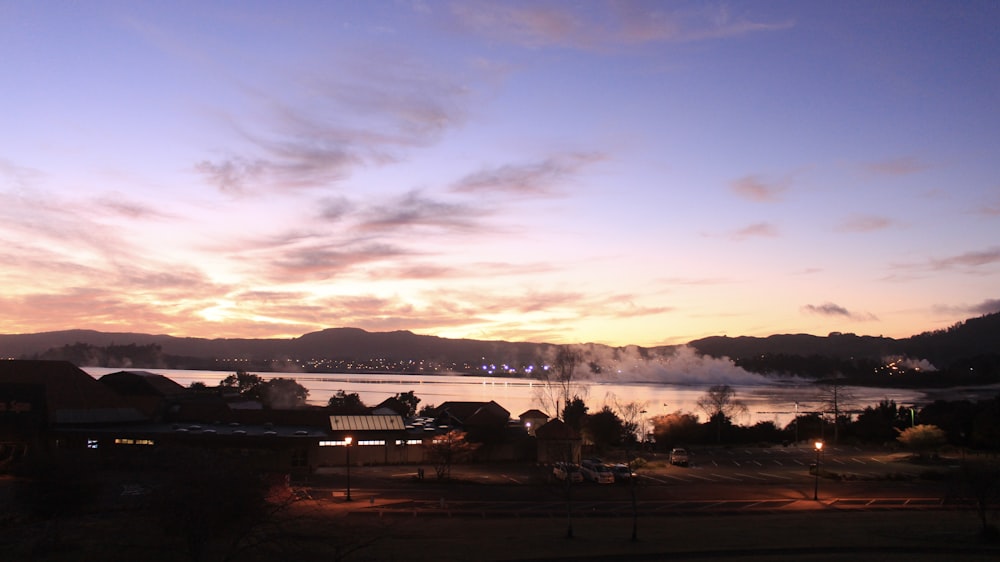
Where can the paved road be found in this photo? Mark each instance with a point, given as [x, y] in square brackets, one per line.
[740, 480]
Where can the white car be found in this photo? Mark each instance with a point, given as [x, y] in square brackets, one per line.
[597, 472]
[679, 457]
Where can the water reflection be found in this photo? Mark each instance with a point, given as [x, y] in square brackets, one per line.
[766, 400]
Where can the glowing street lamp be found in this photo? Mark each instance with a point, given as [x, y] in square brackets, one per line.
[819, 449]
[347, 443]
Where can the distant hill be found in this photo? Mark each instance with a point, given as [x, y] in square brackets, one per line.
[970, 346]
[340, 344]
[969, 339]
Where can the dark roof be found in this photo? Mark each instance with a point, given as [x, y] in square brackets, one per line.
[533, 414]
[475, 413]
[141, 383]
[394, 404]
[557, 430]
[71, 395]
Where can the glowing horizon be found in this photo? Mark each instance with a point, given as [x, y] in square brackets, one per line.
[619, 173]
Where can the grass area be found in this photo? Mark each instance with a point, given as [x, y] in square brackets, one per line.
[323, 530]
[791, 536]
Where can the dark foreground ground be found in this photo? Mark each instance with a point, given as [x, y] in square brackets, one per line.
[746, 508]
[311, 532]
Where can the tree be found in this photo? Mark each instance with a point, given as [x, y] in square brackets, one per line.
[630, 414]
[720, 405]
[410, 400]
[448, 449]
[923, 438]
[247, 385]
[676, 428]
[283, 394]
[559, 381]
[879, 423]
[834, 394]
[604, 428]
[574, 413]
[345, 403]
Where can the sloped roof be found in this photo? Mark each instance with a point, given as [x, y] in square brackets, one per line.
[474, 412]
[533, 414]
[141, 383]
[557, 430]
[71, 395]
[367, 423]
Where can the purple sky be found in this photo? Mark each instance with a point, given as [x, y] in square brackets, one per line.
[615, 172]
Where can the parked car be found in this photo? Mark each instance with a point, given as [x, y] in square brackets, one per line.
[622, 473]
[597, 472]
[679, 457]
[564, 470]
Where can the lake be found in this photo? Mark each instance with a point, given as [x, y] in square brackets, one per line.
[766, 399]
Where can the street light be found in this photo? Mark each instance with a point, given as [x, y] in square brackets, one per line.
[819, 448]
[347, 443]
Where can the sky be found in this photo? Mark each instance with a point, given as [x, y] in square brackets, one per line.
[617, 172]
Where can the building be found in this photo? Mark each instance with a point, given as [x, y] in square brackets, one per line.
[532, 420]
[558, 442]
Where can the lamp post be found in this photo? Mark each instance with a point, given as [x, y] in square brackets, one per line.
[347, 444]
[819, 448]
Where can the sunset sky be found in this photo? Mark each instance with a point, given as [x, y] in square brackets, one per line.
[614, 172]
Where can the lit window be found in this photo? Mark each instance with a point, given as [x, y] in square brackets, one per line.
[371, 442]
[91, 443]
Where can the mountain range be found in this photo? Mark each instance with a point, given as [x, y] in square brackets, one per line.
[403, 350]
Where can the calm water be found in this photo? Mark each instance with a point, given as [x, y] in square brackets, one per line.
[765, 399]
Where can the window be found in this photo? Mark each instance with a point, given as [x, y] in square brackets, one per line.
[339, 443]
[409, 442]
[122, 441]
[92, 443]
[371, 442]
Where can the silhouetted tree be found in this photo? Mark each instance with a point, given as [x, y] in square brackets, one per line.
[410, 400]
[835, 395]
[448, 449]
[604, 428]
[880, 423]
[345, 403]
[247, 385]
[559, 382]
[575, 413]
[283, 394]
[720, 405]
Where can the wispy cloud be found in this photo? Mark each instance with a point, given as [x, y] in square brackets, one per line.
[967, 260]
[362, 110]
[602, 25]
[831, 309]
[896, 166]
[536, 178]
[755, 188]
[413, 209]
[990, 209]
[15, 176]
[988, 306]
[758, 230]
[327, 261]
[865, 223]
